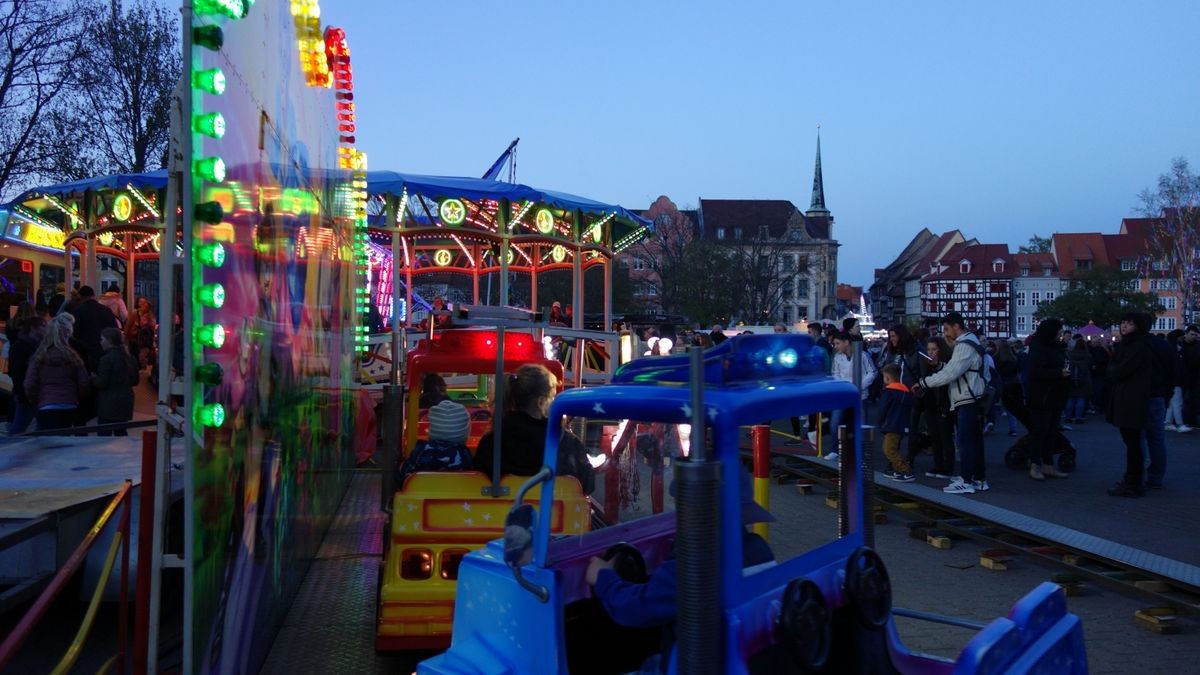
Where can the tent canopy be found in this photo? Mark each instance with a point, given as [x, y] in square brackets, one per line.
[153, 180]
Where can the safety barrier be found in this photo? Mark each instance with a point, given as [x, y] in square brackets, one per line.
[15, 639]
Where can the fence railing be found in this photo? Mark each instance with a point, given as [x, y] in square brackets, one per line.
[12, 644]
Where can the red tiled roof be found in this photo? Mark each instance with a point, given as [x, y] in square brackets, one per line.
[1070, 247]
[981, 257]
[1034, 261]
[1141, 228]
[1124, 247]
[936, 252]
[849, 293]
[750, 214]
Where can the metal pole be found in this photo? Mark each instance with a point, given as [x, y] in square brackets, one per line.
[866, 467]
[393, 221]
[146, 552]
[190, 436]
[760, 440]
[391, 441]
[498, 418]
[502, 228]
[698, 599]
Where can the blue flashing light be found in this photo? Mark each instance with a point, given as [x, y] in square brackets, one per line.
[742, 359]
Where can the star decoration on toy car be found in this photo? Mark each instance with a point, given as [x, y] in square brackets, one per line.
[598, 409]
[712, 414]
[687, 410]
[466, 506]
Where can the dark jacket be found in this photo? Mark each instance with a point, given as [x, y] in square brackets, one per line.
[1047, 388]
[524, 451]
[1081, 372]
[91, 317]
[909, 364]
[20, 351]
[116, 376]
[936, 399]
[435, 455]
[1162, 373]
[895, 409]
[56, 378]
[1129, 382]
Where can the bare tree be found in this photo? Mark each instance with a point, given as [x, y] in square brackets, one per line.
[764, 274]
[1174, 206]
[41, 45]
[665, 255]
[116, 117]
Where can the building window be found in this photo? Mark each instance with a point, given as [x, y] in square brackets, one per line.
[964, 267]
[1165, 323]
[1024, 271]
[1083, 264]
[1021, 322]
[1160, 265]
[998, 287]
[971, 288]
[737, 234]
[1135, 284]
[997, 265]
[1049, 296]
[802, 288]
[949, 288]
[651, 290]
[1047, 271]
[1168, 301]
[638, 263]
[720, 234]
[997, 305]
[794, 234]
[1126, 265]
[787, 315]
[1035, 298]
[1020, 298]
[971, 306]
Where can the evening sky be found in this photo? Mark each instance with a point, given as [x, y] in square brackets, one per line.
[1003, 119]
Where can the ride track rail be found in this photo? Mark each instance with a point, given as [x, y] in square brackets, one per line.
[1173, 586]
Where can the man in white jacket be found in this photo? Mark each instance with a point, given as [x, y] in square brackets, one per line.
[843, 369]
[964, 375]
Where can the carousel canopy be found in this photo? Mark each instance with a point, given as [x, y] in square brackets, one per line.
[153, 180]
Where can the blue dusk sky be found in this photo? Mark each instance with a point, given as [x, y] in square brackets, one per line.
[1003, 119]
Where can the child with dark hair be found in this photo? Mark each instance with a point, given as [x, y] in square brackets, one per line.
[116, 376]
[433, 390]
[896, 403]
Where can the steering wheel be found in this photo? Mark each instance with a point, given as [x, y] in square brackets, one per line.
[806, 624]
[869, 588]
[628, 562]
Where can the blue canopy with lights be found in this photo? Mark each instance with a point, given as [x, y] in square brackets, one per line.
[153, 180]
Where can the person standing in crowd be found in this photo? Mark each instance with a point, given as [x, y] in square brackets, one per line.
[964, 375]
[1079, 359]
[91, 317]
[54, 306]
[115, 303]
[1191, 384]
[12, 327]
[1049, 384]
[850, 327]
[1154, 435]
[1128, 408]
[843, 369]
[938, 417]
[717, 334]
[140, 331]
[115, 379]
[894, 417]
[57, 379]
[1175, 420]
[816, 332]
[20, 351]
[1011, 394]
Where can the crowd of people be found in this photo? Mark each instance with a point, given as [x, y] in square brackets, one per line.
[77, 357]
[944, 393]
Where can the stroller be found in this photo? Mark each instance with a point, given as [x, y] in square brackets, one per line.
[1017, 456]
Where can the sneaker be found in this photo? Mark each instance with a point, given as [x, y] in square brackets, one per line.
[987, 428]
[981, 486]
[1065, 427]
[903, 477]
[831, 457]
[958, 486]
[936, 474]
[1050, 471]
[795, 442]
[1172, 427]
[890, 473]
[1183, 428]
[1035, 472]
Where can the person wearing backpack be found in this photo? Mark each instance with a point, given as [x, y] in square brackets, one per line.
[964, 374]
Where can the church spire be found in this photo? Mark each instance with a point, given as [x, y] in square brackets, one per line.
[818, 192]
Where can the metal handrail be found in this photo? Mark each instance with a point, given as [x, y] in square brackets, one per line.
[24, 627]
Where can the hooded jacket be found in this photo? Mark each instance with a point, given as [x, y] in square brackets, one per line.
[897, 409]
[843, 369]
[963, 372]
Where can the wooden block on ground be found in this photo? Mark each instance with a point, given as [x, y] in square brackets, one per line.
[939, 541]
[907, 505]
[997, 564]
[1071, 590]
[1152, 585]
[831, 500]
[1158, 619]
[804, 488]
[881, 519]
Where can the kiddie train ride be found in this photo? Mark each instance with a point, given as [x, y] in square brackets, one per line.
[443, 231]
[524, 605]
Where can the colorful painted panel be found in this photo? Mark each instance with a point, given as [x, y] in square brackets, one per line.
[273, 326]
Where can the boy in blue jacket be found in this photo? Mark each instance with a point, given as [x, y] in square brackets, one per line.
[896, 403]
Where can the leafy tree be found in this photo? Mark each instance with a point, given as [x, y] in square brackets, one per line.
[1174, 204]
[1100, 295]
[1036, 245]
[41, 46]
[116, 116]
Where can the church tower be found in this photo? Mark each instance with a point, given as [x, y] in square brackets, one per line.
[817, 208]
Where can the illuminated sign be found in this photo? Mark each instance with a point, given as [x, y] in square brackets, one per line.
[441, 257]
[106, 238]
[122, 208]
[558, 253]
[38, 235]
[545, 221]
[453, 212]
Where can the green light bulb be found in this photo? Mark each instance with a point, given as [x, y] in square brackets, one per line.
[210, 124]
[209, 374]
[211, 254]
[209, 37]
[210, 415]
[211, 335]
[211, 295]
[211, 80]
[209, 212]
[211, 169]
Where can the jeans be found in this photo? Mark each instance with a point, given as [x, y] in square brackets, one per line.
[22, 415]
[969, 436]
[1076, 407]
[56, 419]
[1156, 441]
[1175, 409]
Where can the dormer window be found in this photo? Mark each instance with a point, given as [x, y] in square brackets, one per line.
[1024, 271]
[964, 267]
[720, 233]
[1083, 264]
[998, 265]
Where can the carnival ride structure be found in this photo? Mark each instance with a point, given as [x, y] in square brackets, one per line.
[825, 610]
